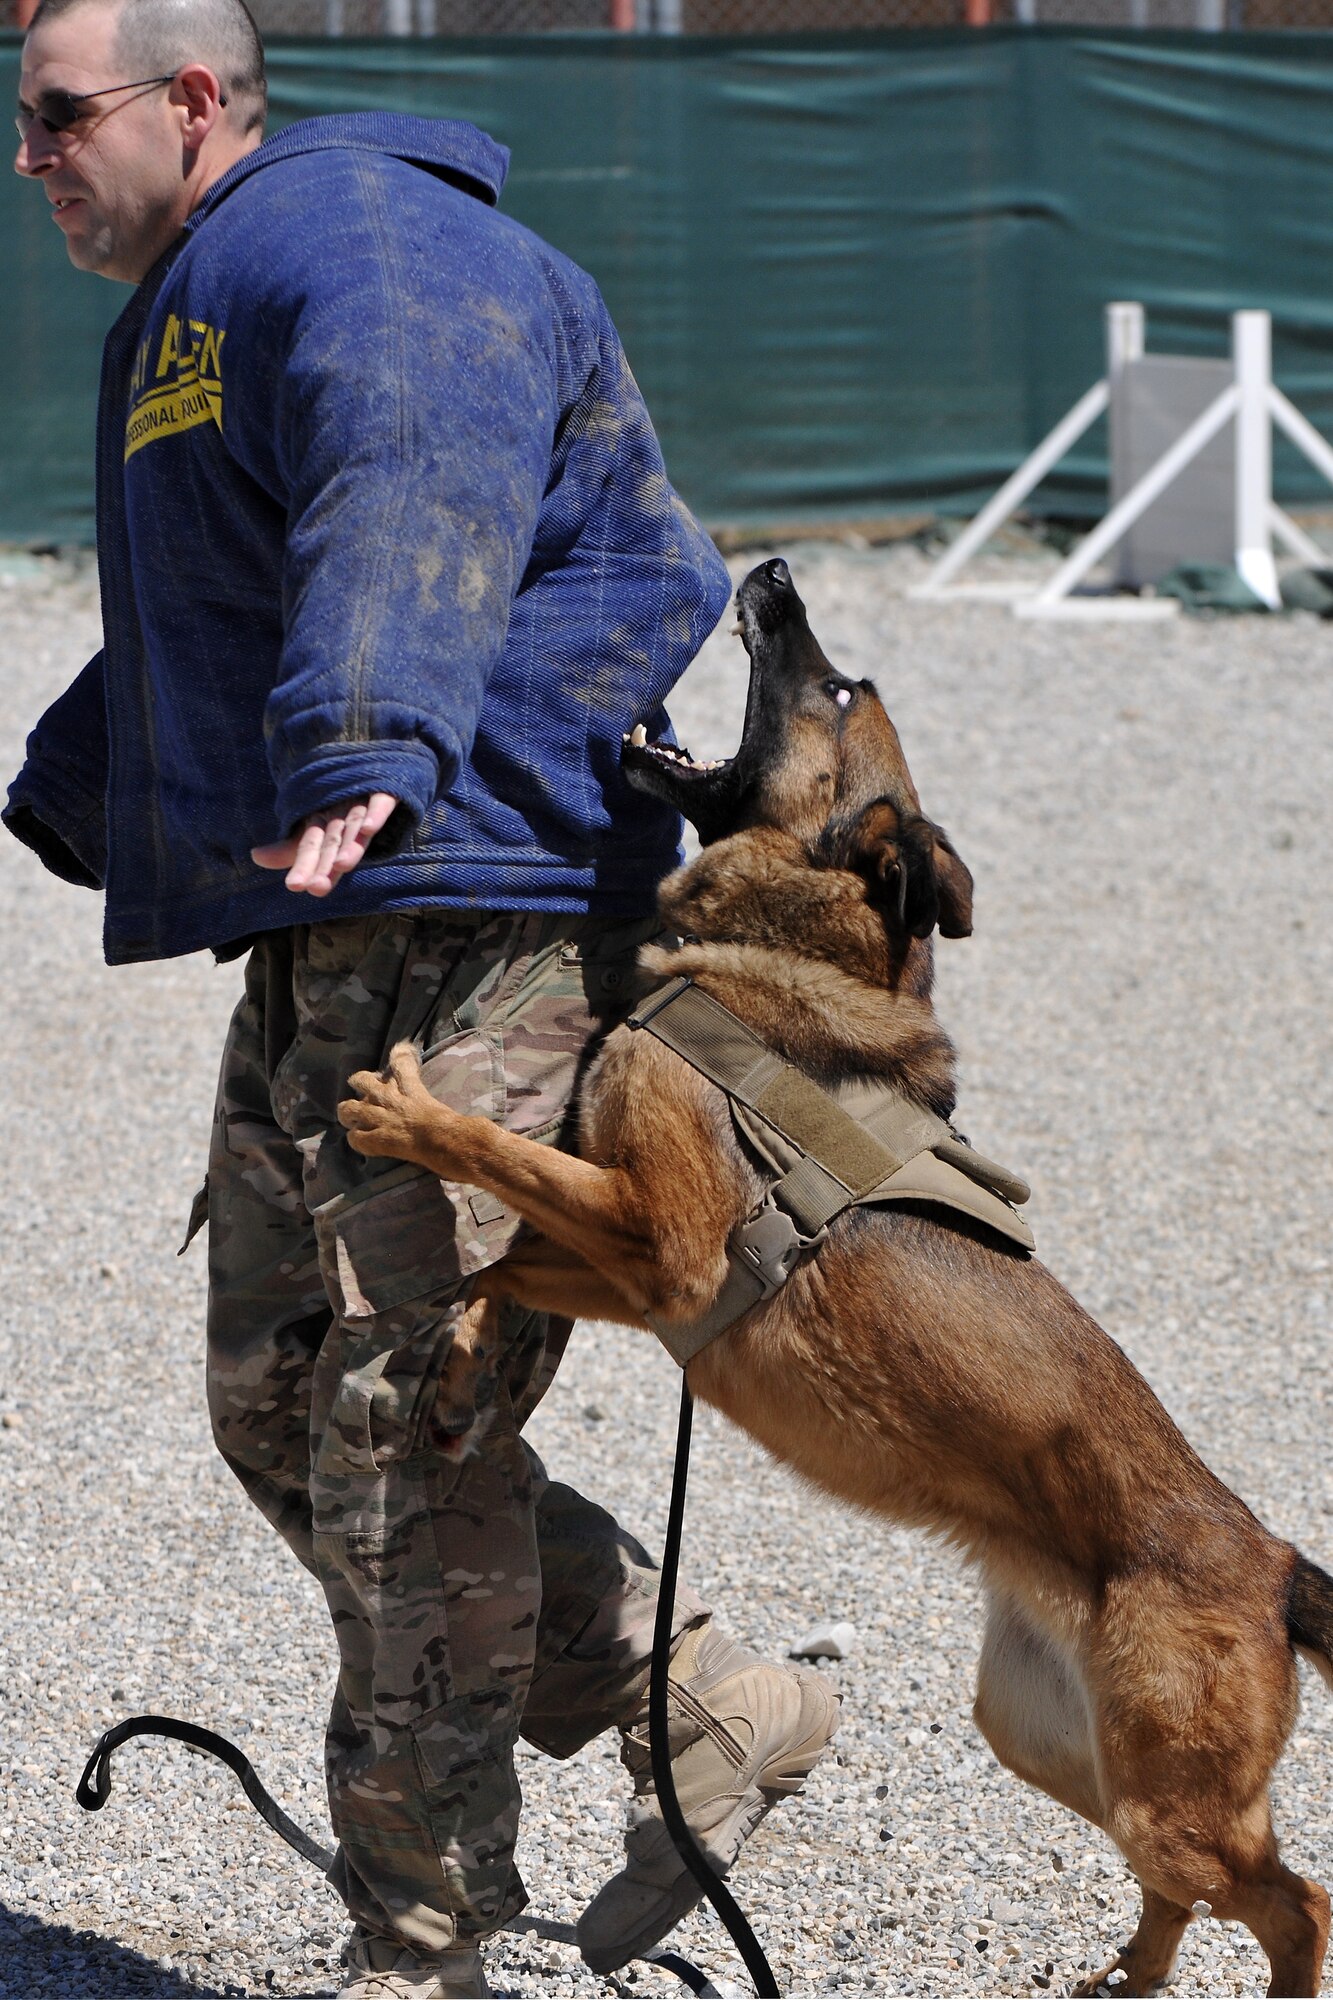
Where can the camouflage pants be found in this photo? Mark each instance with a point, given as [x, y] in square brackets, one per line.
[473, 1598]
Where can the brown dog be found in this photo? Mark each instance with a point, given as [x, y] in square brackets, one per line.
[1137, 1662]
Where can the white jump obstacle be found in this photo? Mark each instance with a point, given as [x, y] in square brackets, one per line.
[1201, 428]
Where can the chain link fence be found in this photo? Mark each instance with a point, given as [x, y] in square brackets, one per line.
[765, 17]
[749, 17]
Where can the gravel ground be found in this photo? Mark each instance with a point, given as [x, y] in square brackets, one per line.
[1144, 1026]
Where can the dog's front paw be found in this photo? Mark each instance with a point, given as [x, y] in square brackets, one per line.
[393, 1113]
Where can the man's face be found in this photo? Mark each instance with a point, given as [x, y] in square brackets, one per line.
[116, 179]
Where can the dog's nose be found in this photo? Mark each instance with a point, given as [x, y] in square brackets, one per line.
[768, 597]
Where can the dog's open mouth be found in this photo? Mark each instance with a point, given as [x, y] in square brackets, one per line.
[712, 793]
[704, 791]
[670, 756]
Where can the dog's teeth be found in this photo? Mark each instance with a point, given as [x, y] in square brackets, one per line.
[737, 631]
[638, 736]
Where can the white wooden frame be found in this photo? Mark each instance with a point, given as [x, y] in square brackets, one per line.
[1251, 400]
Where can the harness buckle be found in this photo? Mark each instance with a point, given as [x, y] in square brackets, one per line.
[770, 1246]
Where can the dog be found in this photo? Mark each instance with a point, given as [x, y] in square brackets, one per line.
[1138, 1658]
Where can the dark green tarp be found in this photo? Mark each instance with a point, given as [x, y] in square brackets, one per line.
[856, 274]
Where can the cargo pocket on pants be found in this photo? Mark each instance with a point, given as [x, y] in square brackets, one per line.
[465, 1757]
[392, 1262]
[395, 1254]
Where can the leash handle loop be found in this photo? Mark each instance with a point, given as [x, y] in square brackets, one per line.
[94, 1787]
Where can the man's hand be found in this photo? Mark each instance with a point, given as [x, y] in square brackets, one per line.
[327, 845]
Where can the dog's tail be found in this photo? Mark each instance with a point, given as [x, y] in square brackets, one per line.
[1310, 1615]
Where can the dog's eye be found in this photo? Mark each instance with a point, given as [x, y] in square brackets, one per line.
[842, 695]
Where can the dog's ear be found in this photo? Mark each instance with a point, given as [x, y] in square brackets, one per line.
[953, 879]
[915, 872]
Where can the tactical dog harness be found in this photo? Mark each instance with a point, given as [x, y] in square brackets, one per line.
[862, 1146]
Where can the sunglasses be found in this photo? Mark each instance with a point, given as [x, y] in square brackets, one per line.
[61, 110]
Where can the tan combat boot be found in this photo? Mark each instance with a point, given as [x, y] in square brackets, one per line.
[379, 1969]
[743, 1735]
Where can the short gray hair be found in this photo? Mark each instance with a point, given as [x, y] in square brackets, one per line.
[155, 36]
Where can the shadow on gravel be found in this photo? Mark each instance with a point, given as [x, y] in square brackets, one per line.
[33, 1952]
[65, 1964]
[37, 1955]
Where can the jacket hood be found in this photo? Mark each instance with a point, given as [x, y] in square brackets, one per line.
[459, 153]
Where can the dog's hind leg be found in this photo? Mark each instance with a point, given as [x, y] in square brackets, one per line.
[1033, 1710]
[1290, 1918]
[1288, 1915]
[1146, 1963]
[1197, 1708]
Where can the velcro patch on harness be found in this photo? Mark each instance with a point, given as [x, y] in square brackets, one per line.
[798, 1107]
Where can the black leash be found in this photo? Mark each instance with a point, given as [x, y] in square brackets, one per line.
[94, 1787]
[716, 1890]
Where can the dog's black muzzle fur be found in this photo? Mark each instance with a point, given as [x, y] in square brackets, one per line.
[786, 662]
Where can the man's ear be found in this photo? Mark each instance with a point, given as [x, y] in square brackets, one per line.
[917, 876]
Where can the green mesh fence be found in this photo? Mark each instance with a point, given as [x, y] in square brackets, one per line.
[856, 274]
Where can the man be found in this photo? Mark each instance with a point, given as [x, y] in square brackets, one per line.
[389, 562]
